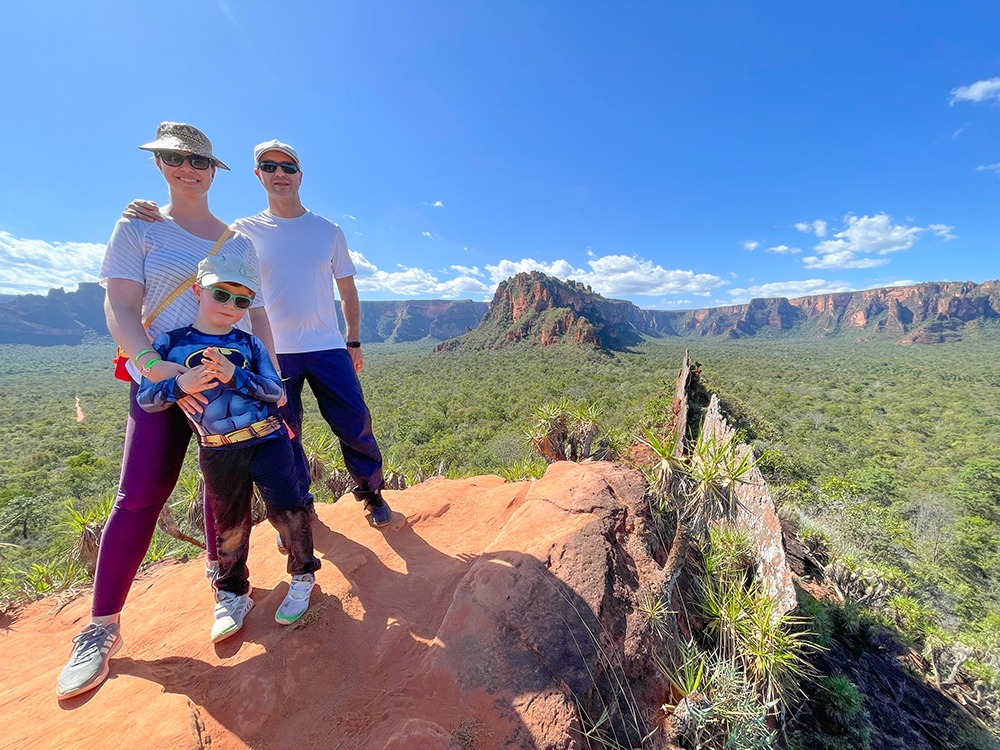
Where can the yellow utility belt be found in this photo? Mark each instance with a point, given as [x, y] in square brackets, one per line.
[257, 429]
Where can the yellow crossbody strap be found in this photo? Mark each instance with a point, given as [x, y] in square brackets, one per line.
[186, 284]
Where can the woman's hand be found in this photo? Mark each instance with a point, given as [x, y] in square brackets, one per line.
[163, 370]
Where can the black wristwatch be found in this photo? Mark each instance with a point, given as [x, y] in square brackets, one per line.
[353, 344]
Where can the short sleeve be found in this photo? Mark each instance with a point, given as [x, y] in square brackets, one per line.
[342, 264]
[125, 256]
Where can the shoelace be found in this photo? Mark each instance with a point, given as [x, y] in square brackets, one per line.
[89, 641]
[300, 588]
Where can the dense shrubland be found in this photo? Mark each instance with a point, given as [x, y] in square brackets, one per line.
[888, 457]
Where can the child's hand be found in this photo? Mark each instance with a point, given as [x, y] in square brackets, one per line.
[218, 366]
[196, 380]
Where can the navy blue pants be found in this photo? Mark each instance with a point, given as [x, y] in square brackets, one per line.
[334, 383]
[230, 474]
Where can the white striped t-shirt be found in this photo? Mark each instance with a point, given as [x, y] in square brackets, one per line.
[162, 255]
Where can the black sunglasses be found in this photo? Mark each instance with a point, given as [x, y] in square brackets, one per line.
[270, 166]
[222, 297]
[175, 159]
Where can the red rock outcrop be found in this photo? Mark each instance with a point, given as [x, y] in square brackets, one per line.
[483, 616]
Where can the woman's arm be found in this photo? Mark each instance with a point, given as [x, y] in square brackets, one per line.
[123, 312]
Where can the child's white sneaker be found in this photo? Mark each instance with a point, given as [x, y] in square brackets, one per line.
[296, 600]
[230, 610]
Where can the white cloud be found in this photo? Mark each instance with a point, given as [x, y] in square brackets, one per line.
[784, 250]
[790, 289]
[977, 92]
[869, 235]
[426, 234]
[350, 218]
[466, 270]
[35, 266]
[415, 282]
[437, 204]
[989, 168]
[818, 227]
[559, 268]
[615, 275]
[943, 231]
[750, 245]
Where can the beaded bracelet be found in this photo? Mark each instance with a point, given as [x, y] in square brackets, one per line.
[142, 353]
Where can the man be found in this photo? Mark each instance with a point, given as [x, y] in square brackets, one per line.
[301, 255]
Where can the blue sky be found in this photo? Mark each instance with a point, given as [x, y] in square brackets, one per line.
[674, 154]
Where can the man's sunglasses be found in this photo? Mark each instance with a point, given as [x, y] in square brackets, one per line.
[270, 166]
[222, 297]
[175, 159]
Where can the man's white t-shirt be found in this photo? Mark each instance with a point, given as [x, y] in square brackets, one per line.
[299, 260]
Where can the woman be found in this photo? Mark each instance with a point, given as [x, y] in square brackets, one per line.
[147, 272]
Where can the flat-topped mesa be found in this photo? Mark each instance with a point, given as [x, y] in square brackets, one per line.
[536, 308]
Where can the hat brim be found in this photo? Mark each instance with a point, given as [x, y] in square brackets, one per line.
[173, 144]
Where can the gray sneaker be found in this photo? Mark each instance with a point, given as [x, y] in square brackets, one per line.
[296, 601]
[230, 610]
[88, 664]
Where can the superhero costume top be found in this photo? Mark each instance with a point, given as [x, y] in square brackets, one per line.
[252, 395]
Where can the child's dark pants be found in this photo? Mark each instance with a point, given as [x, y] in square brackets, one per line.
[230, 474]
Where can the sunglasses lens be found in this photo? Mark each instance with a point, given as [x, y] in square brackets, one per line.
[288, 168]
[171, 158]
[221, 295]
[267, 166]
[174, 159]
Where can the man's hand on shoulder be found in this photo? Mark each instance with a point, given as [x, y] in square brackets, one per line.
[144, 210]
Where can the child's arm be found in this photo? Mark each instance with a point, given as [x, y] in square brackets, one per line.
[165, 393]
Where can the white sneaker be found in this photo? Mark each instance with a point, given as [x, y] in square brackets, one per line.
[296, 600]
[230, 609]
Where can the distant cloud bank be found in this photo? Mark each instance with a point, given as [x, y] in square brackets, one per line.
[867, 236]
[35, 266]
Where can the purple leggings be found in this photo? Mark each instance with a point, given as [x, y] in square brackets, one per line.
[155, 444]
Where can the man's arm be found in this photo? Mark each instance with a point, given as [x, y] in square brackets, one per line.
[352, 317]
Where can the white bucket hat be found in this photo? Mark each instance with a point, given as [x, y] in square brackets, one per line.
[177, 136]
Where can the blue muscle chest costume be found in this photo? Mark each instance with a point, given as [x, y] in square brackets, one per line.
[251, 397]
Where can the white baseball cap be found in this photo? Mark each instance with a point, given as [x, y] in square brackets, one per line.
[229, 268]
[273, 145]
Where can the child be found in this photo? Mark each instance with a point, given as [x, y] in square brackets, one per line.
[242, 440]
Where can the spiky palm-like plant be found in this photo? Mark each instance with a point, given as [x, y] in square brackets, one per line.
[319, 451]
[549, 431]
[583, 429]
